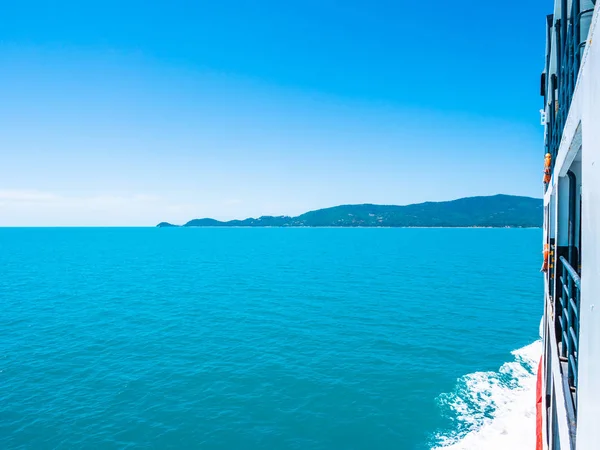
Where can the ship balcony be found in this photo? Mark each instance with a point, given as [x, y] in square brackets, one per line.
[567, 312]
[566, 39]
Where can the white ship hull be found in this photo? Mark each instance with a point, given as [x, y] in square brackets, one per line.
[569, 411]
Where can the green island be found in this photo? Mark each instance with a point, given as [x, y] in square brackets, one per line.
[497, 211]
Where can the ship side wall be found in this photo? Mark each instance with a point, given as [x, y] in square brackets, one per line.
[588, 417]
[573, 421]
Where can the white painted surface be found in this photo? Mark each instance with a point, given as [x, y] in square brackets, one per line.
[588, 102]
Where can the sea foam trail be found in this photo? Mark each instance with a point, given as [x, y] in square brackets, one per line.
[494, 410]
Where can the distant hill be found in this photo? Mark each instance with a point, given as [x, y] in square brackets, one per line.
[493, 211]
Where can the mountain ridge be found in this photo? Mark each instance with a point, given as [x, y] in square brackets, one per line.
[496, 211]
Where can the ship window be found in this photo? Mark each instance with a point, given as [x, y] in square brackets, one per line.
[543, 85]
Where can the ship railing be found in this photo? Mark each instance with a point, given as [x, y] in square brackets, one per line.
[569, 321]
[570, 44]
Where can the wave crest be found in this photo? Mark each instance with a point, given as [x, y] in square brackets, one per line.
[494, 410]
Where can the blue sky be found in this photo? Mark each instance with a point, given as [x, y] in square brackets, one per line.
[130, 113]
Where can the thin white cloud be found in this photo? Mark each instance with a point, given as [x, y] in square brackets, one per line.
[34, 207]
[28, 207]
[16, 195]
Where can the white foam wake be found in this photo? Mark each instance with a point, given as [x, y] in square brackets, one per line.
[494, 410]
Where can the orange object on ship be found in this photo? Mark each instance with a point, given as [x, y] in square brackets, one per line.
[546, 255]
[547, 164]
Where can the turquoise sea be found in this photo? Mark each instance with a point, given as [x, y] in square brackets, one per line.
[267, 338]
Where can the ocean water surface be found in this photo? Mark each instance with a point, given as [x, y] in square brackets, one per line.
[268, 338]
